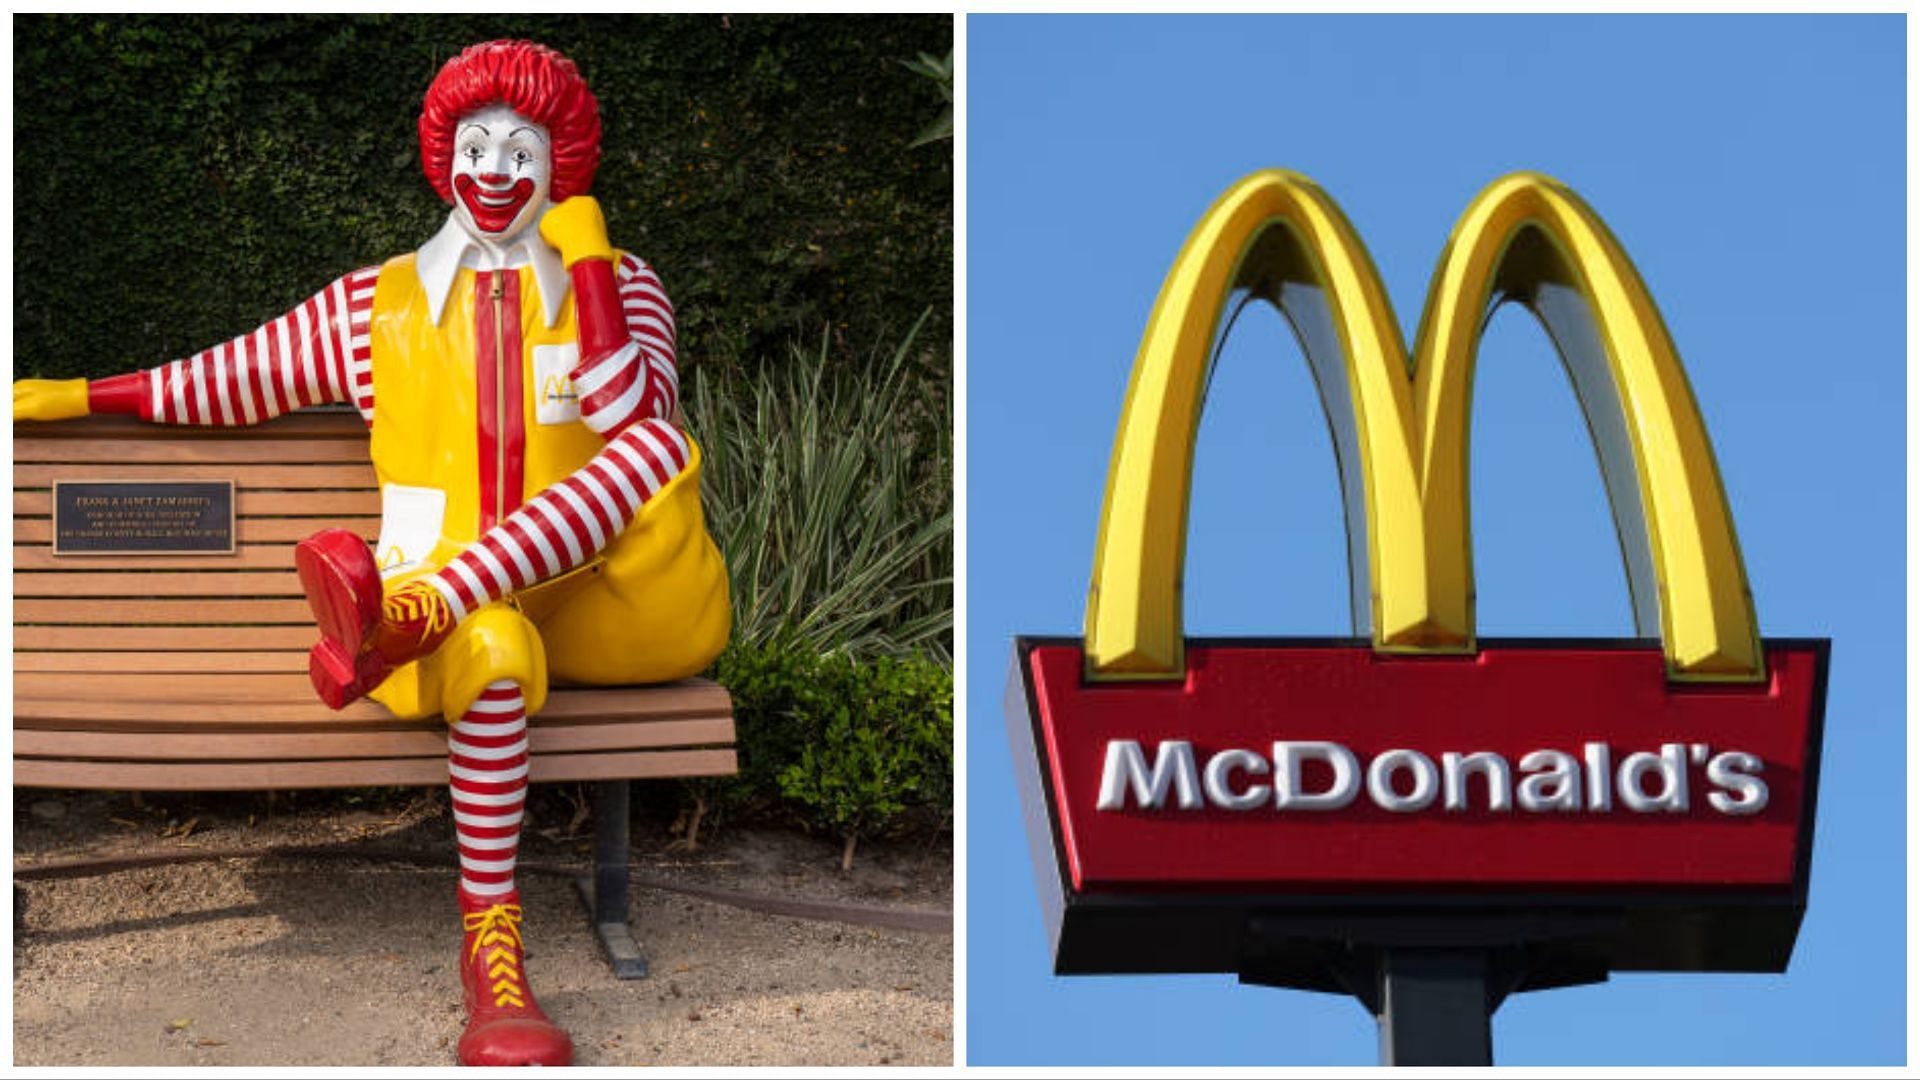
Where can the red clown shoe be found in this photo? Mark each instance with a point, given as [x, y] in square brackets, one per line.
[504, 1024]
[362, 637]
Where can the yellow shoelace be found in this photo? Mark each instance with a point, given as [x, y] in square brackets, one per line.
[497, 929]
[414, 601]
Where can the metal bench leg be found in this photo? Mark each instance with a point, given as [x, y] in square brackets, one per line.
[605, 890]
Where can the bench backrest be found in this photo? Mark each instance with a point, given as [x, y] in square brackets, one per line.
[169, 613]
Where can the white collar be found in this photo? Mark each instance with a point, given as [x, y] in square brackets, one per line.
[439, 261]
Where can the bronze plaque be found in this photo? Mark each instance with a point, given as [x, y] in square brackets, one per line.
[144, 517]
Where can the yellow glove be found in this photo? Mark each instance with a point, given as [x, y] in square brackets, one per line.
[49, 399]
[577, 228]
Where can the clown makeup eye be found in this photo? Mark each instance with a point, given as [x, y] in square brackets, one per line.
[522, 158]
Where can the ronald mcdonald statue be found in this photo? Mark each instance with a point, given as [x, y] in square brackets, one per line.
[540, 507]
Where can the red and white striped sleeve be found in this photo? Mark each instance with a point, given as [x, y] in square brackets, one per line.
[638, 381]
[317, 353]
[569, 523]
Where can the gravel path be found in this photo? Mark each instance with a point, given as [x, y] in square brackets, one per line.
[294, 961]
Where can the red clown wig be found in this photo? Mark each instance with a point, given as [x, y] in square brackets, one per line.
[535, 82]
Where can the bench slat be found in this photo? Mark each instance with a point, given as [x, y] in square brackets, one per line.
[252, 584]
[158, 689]
[189, 661]
[163, 638]
[413, 772]
[104, 710]
[225, 452]
[163, 612]
[429, 742]
[244, 557]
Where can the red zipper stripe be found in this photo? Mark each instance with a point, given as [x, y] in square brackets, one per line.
[486, 393]
[515, 404]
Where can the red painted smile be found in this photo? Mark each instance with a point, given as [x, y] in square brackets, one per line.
[493, 208]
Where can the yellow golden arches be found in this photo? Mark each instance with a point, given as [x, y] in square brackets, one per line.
[1401, 427]
[1271, 229]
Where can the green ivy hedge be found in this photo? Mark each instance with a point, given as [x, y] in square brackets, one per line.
[179, 179]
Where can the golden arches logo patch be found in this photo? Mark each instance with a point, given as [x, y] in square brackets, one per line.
[555, 389]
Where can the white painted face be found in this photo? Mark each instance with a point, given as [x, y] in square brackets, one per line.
[502, 168]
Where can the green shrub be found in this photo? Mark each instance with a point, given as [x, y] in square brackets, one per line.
[879, 734]
[854, 748]
[772, 714]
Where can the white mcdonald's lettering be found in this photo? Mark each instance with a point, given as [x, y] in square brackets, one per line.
[1404, 781]
[1127, 768]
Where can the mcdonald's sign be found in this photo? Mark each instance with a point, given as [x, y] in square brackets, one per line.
[1268, 806]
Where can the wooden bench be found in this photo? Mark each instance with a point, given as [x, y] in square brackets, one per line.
[188, 672]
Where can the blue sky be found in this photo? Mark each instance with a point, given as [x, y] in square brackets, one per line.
[1754, 168]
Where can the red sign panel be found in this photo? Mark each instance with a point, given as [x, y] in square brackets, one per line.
[1304, 768]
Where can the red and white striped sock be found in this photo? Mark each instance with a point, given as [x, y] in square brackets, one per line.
[487, 761]
[567, 524]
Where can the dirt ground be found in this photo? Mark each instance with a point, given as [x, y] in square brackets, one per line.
[300, 960]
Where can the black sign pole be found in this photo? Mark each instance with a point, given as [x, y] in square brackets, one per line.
[1434, 1007]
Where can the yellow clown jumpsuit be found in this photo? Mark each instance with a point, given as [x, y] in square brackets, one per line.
[470, 421]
